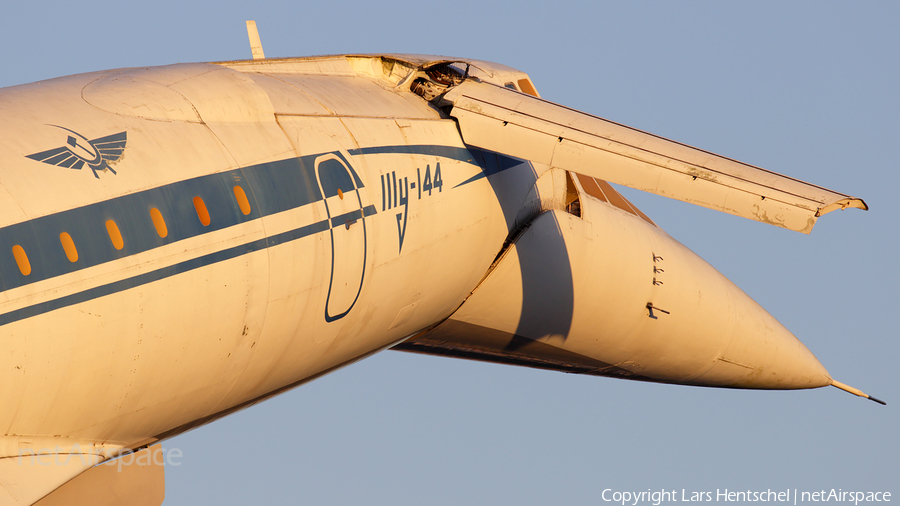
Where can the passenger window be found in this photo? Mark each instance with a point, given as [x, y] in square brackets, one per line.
[242, 200]
[21, 260]
[159, 222]
[114, 235]
[68, 246]
[202, 212]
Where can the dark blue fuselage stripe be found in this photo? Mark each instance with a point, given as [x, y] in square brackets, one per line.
[491, 163]
[345, 218]
[298, 233]
[270, 188]
[451, 152]
[162, 273]
[339, 221]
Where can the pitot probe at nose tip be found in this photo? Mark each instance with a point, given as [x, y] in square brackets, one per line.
[856, 391]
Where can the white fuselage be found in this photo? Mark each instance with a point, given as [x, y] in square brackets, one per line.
[126, 344]
[179, 242]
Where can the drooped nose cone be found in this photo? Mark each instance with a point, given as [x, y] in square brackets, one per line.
[759, 352]
[711, 332]
[610, 294]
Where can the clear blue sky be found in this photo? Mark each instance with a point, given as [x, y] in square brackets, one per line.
[806, 89]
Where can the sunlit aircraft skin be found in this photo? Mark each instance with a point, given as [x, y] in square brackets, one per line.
[180, 242]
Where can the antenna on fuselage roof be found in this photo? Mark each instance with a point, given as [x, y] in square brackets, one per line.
[255, 44]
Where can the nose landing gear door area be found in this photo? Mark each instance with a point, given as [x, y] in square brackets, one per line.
[346, 217]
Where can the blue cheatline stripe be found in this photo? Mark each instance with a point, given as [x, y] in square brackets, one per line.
[297, 233]
[491, 163]
[131, 213]
[165, 272]
[451, 152]
[270, 188]
[340, 221]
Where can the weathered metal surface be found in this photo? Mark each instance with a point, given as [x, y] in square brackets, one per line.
[499, 119]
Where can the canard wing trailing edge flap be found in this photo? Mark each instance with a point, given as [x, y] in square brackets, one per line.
[503, 120]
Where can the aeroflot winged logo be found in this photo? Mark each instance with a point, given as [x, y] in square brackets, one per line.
[79, 151]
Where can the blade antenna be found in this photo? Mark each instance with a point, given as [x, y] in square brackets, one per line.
[255, 45]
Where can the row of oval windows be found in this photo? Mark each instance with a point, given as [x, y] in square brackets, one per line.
[115, 236]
